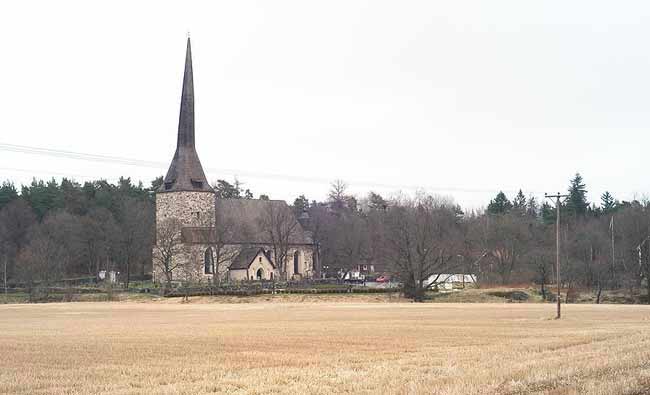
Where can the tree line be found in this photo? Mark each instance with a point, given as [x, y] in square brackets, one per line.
[604, 245]
[51, 230]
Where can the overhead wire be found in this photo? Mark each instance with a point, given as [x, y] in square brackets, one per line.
[98, 158]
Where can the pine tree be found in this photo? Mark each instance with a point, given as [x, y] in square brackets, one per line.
[226, 190]
[532, 208]
[608, 203]
[300, 205]
[156, 183]
[547, 213]
[519, 203]
[500, 204]
[577, 204]
[8, 193]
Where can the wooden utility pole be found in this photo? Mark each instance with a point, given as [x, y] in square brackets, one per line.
[557, 198]
[5, 274]
[611, 229]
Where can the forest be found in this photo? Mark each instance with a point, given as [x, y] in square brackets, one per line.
[52, 230]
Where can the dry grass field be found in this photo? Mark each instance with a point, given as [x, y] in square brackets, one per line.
[296, 348]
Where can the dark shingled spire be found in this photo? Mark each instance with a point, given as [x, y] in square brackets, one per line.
[185, 172]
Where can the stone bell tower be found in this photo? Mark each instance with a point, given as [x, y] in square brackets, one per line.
[185, 193]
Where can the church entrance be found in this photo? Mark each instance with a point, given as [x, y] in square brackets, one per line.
[260, 274]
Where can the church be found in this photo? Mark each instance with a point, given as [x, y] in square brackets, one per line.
[215, 239]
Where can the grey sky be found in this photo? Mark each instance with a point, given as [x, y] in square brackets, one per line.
[462, 98]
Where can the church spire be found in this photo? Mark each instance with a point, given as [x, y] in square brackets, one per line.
[186, 119]
[185, 172]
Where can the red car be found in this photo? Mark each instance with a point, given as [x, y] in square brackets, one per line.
[383, 279]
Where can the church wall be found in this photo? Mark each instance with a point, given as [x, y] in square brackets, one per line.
[246, 274]
[191, 209]
[305, 263]
[185, 206]
[197, 209]
[264, 264]
[190, 265]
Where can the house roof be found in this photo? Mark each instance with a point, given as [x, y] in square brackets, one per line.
[185, 172]
[245, 258]
[249, 216]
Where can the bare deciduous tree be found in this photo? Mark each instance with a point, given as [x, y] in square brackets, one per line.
[98, 235]
[51, 250]
[135, 221]
[419, 234]
[16, 218]
[280, 226]
[507, 242]
[168, 246]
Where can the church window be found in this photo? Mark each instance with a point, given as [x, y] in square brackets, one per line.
[260, 259]
[208, 261]
[296, 261]
[197, 183]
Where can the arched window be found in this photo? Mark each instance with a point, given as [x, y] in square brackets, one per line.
[296, 262]
[208, 261]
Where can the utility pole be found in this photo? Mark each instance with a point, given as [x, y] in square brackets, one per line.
[5, 274]
[557, 198]
[611, 229]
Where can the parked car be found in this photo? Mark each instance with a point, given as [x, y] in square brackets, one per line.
[383, 279]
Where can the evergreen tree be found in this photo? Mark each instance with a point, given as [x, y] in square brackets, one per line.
[226, 190]
[376, 201]
[532, 208]
[73, 197]
[264, 197]
[42, 196]
[8, 193]
[156, 183]
[105, 195]
[548, 213]
[608, 203]
[500, 204]
[519, 203]
[577, 204]
[300, 205]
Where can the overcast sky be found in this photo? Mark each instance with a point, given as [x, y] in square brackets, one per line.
[461, 98]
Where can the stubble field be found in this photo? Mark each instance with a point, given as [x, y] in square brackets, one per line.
[295, 348]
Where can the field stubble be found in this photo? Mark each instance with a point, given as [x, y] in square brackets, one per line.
[289, 348]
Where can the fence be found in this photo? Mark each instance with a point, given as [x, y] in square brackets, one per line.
[269, 289]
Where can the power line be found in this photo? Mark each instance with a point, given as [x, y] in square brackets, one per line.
[40, 151]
